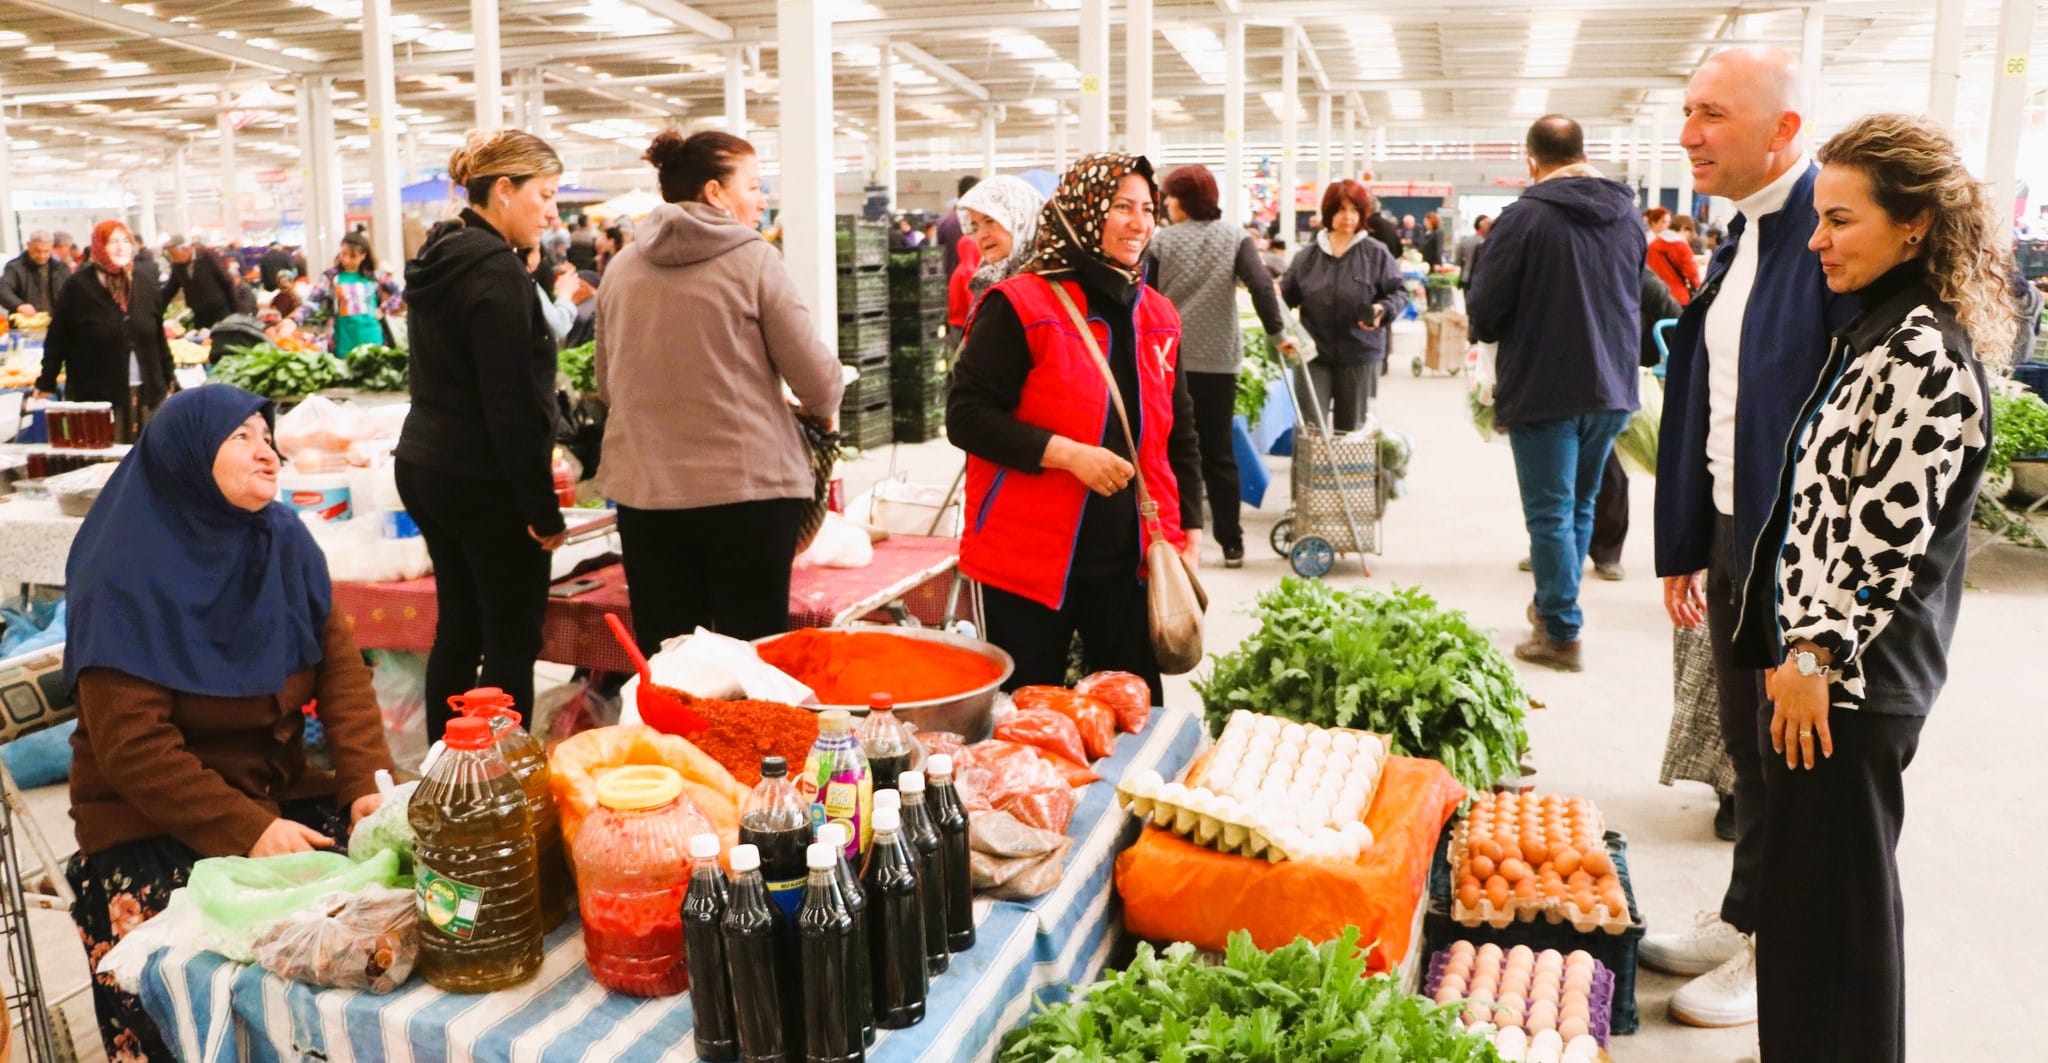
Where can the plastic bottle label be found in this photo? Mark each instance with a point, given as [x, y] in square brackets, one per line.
[448, 905]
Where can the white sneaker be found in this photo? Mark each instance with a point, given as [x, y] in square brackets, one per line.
[1709, 944]
[1725, 996]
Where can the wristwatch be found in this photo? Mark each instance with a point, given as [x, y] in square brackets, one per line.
[1808, 663]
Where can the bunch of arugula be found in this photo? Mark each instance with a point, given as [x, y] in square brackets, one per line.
[579, 364]
[1302, 1003]
[275, 373]
[1396, 663]
[376, 367]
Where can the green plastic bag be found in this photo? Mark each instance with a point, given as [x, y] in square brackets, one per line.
[240, 897]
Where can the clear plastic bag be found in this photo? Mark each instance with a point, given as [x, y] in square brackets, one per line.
[388, 828]
[240, 897]
[363, 940]
[1046, 729]
[1011, 859]
[1125, 693]
[1018, 779]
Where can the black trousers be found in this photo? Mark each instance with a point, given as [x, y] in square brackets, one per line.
[724, 568]
[1745, 726]
[1108, 613]
[1344, 392]
[1610, 513]
[1831, 963]
[490, 588]
[1215, 398]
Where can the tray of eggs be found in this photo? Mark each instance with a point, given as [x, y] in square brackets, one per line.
[1524, 856]
[1539, 1007]
[1271, 789]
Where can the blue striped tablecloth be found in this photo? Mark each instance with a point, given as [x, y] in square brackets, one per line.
[212, 1010]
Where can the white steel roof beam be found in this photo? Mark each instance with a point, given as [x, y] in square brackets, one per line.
[687, 17]
[942, 71]
[205, 42]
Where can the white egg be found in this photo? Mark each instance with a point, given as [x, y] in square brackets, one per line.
[1312, 757]
[1343, 741]
[1294, 734]
[1546, 1041]
[1287, 754]
[1582, 1049]
[1337, 763]
[1149, 779]
[1244, 788]
[1318, 738]
[1173, 793]
[1201, 801]
[1352, 811]
[1229, 808]
[1266, 725]
[1372, 744]
[1512, 1044]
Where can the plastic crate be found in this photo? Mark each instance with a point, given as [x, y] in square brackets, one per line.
[917, 327]
[863, 292]
[869, 428]
[921, 360]
[916, 295]
[1617, 952]
[918, 262]
[919, 393]
[864, 339]
[920, 427]
[872, 387]
[863, 244]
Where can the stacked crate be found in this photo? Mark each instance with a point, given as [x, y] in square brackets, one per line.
[865, 417]
[918, 369]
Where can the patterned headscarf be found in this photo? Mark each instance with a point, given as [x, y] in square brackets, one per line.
[1012, 203]
[120, 280]
[1070, 227]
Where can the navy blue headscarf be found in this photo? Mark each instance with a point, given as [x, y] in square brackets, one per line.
[169, 582]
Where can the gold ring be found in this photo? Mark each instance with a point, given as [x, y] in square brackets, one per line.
[1806, 732]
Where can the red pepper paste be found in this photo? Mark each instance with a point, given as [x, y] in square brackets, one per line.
[848, 667]
[742, 732]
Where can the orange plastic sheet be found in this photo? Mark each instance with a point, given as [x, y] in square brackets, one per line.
[577, 762]
[1174, 890]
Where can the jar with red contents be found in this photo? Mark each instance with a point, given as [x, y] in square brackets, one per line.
[632, 871]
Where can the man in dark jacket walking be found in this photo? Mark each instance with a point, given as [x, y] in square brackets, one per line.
[206, 282]
[31, 282]
[1560, 294]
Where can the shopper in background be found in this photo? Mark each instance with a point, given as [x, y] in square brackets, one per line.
[610, 241]
[557, 284]
[1002, 217]
[1273, 255]
[952, 226]
[1198, 262]
[204, 279]
[475, 455]
[354, 294]
[1467, 256]
[960, 291]
[1670, 257]
[1411, 233]
[1381, 226]
[583, 243]
[1867, 536]
[1683, 225]
[66, 249]
[1744, 356]
[107, 336]
[699, 324]
[1349, 291]
[201, 621]
[274, 260]
[30, 283]
[1058, 543]
[1431, 240]
[285, 303]
[1561, 293]
[1610, 505]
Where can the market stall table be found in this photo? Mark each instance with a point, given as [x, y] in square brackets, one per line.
[915, 569]
[211, 1009]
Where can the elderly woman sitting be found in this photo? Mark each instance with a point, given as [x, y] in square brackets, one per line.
[200, 628]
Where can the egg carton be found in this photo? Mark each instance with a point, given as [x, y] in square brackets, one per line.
[1461, 833]
[1599, 999]
[1331, 774]
[1220, 823]
[1513, 1045]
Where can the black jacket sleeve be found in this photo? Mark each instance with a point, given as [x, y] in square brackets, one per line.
[1184, 453]
[11, 287]
[517, 419]
[1490, 302]
[180, 273]
[988, 382]
[62, 337]
[1252, 274]
[1390, 292]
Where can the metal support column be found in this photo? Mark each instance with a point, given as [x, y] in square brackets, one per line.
[181, 211]
[490, 76]
[736, 92]
[1290, 128]
[804, 32]
[1138, 41]
[1655, 189]
[10, 242]
[988, 141]
[885, 124]
[1060, 154]
[1350, 166]
[536, 103]
[1947, 72]
[2008, 106]
[1323, 168]
[380, 95]
[326, 215]
[1811, 41]
[1234, 177]
[230, 199]
[1094, 75]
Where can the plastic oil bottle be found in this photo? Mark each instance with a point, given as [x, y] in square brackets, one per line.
[530, 765]
[860, 1009]
[704, 908]
[922, 831]
[473, 865]
[885, 741]
[895, 897]
[837, 783]
[951, 817]
[761, 1010]
[826, 929]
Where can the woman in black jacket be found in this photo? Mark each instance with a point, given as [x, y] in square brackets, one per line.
[1349, 291]
[107, 336]
[475, 456]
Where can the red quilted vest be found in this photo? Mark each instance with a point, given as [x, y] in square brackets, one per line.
[1021, 526]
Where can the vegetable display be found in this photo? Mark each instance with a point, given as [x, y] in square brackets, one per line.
[2019, 427]
[376, 367]
[579, 364]
[1302, 1003]
[1395, 664]
[1637, 443]
[1255, 374]
[276, 373]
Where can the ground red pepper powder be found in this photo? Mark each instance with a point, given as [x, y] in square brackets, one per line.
[742, 732]
[849, 667]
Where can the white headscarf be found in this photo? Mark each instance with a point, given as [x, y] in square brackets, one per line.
[1013, 204]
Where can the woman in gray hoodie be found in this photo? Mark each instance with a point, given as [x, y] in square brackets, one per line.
[698, 325]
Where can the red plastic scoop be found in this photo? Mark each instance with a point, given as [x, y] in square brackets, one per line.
[665, 709]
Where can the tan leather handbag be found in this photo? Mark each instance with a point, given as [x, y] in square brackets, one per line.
[1174, 597]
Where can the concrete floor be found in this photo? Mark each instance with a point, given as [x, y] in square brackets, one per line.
[1970, 874]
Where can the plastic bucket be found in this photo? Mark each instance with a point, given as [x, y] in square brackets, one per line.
[325, 495]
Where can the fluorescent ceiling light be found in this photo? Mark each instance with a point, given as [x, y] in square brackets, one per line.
[1062, 5]
[9, 38]
[1203, 51]
[1373, 48]
[1551, 41]
[1025, 46]
[616, 16]
[849, 10]
[82, 58]
[937, 112]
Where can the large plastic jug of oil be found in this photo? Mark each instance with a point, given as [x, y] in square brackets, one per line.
[529, 764]
[473, 867]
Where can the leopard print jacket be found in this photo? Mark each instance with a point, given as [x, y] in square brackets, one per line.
[1872, 468]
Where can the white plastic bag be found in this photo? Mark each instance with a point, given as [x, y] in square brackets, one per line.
[839, 544]
[320, 423]
[178, 925]
[358, 552]
[900, 507]
[710, 665]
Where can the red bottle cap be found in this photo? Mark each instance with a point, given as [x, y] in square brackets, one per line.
[881, 701]
[468, 732]
[484, 703]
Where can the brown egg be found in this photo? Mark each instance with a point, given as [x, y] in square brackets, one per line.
[1469, 892]
[1497, 891]
[1584, 899]
[1575, 1026]
[1447, 991]
[1461, 947]
[1574, 1007]
[1525, 890]
[1473, 1015]
[1565, 859]
[1514, 870]
[1542, 1016]
[1489, 954]
[1536, 849]
[1514, 984]
[1481, 866]
[1513, 1005]
[1522, 956]
[1577, 983]
[1459, 967]
[1481, 989]
[1597, 862]
[1503, 1017]
[1579, 958]
[1545, 991]
[1580, 879]
[1487, 848]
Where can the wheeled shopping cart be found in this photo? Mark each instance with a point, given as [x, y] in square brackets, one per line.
[1339, 490]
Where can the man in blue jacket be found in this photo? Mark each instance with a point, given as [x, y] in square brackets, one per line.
[1560, 294]
[1744, 357]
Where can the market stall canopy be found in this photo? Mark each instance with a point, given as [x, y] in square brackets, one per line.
[432, 190]
[634, 204]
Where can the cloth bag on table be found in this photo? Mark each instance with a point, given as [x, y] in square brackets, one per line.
[1174, 598]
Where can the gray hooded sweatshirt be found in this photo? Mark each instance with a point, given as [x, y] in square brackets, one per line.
[698, 323]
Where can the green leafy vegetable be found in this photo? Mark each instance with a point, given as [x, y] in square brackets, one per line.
[579, 364]
[1261, 366]
[276, 373]
[1395, 663]
[1482, 414]
[375, 367]
[2019, 426]
[1637, 443]
[1301, 1003]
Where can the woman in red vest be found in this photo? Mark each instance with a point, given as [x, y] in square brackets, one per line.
[1053, 534]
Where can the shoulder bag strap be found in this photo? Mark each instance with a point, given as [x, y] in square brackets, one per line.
[1146, 507]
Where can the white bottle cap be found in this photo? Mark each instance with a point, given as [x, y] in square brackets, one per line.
[910, 782]
[821, 856]
[941, 766]
[745, 858]
[887, 799]
[834, 833]
[888, 820]
[704, 847]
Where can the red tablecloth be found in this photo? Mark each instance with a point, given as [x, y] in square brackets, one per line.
[913, 569]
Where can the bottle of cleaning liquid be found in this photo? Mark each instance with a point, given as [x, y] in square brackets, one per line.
[837, 783]
[885, 741]
[895, 896]
[951, 817]
[860, 1009]
[473, 865]
[826, 929]
[923, 834]
[530, 765]
[631, 881]
[761, 1010]
[704, 908]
